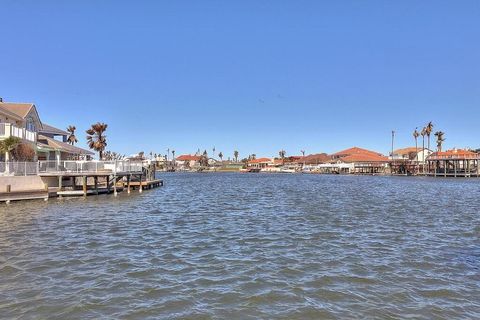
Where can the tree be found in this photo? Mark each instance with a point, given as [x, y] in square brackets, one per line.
[220, 155]
[96, 138]
[235, 155]
[440, 140]
[23, 152]
[72, 139]
[111, 156]
[282, 154]
[8, 145]
[415, 136]
[428, 131]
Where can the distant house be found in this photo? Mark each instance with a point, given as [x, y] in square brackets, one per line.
[355, 160]
[411, 153]
[260, 163]
[22, 120]
[185, 161]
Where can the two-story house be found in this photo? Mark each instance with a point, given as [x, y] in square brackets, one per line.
[22, 120]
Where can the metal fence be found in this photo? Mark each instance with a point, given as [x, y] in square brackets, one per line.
[35, 168]
[18, 168]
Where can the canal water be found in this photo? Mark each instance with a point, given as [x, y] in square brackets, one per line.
[248, 246]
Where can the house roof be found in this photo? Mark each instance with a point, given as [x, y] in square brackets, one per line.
[260, 160]
[316, 158]
[188, 157]
[355, 150]
[61, 146]
[408, 150]
[48, 129]
[19, 109]
[455, 154]
[364, 157]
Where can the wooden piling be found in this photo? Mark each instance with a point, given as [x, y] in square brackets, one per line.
[84, 183]
[95, 181]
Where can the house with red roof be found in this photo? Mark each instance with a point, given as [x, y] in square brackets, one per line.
[354, 160]
[186, 161]
[454, 163]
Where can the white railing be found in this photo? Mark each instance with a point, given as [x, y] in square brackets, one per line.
[52, 167]
[10, 130]
[119, 166]
[18, 168]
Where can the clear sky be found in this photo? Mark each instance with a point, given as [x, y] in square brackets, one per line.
[256, 76]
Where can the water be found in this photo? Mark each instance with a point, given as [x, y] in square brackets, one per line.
[248, 246]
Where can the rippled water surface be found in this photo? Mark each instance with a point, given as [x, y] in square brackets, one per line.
[247, 246]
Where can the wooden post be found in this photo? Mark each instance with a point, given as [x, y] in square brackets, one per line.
[84, 184]
[455, 168]
[128, 183]
[9, 188]
[108, 184]
[60, 180]
[95, 181]
[72, 182]
[115, 186]
[140, 188]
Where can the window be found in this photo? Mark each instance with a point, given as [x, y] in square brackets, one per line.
[30, 124]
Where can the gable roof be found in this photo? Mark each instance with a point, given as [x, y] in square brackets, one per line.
[19, 109]
[52, 130]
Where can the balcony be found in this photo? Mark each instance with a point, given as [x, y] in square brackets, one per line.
[10, 130]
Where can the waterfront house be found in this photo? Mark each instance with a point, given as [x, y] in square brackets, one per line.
[23, 121]
[355, 160]
[408, 160]
[454, 163]
[260, 163]
[19, 120]
[187, 161]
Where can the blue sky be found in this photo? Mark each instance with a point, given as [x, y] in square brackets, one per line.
[256, 76]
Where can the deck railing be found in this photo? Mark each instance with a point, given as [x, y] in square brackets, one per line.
[18, 168]
[10, 130]
[14, 168]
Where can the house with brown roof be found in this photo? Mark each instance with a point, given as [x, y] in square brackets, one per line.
[22, 120]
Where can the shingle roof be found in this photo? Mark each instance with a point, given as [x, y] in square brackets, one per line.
[19, 109]
[62, 146]
[52, 130]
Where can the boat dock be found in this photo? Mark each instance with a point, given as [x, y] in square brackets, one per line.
[82, 179]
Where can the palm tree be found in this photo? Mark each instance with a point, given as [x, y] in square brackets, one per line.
[282, 153]
[8, 145]
[428, 130]
[440, 140]
[173, 158]
[303, 156]
[235, 155]
[72, 139]
[213, 154]
[97, 140]
[415, 136]
[220, 155]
